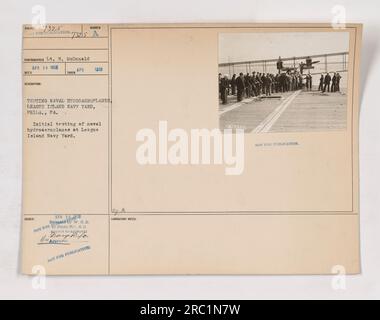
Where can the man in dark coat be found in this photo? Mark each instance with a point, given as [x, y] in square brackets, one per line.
[327, 83]
[254, 84]
[321, 82]
[248, 86]
[233, 85]
[277, 82]
[240, 87]
[259, 84]
[307, 82]
[310, 82]
[282, 80]
[268, 85]
[338, 77]
[264, 83]
[300, 82]
[220, 85]
[333, 86]
[224, 87]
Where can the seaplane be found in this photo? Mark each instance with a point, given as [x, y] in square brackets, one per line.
[307, 65]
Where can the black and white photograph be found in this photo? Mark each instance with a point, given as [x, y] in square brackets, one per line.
[283, 82]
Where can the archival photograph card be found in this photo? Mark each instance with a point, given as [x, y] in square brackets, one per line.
[169, 149]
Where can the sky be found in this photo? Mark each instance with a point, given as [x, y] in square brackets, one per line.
[235, 47]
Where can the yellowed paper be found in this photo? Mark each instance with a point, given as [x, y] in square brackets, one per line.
[140, 159]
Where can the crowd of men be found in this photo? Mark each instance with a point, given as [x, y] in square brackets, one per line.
[330, 84]
[257, 84]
